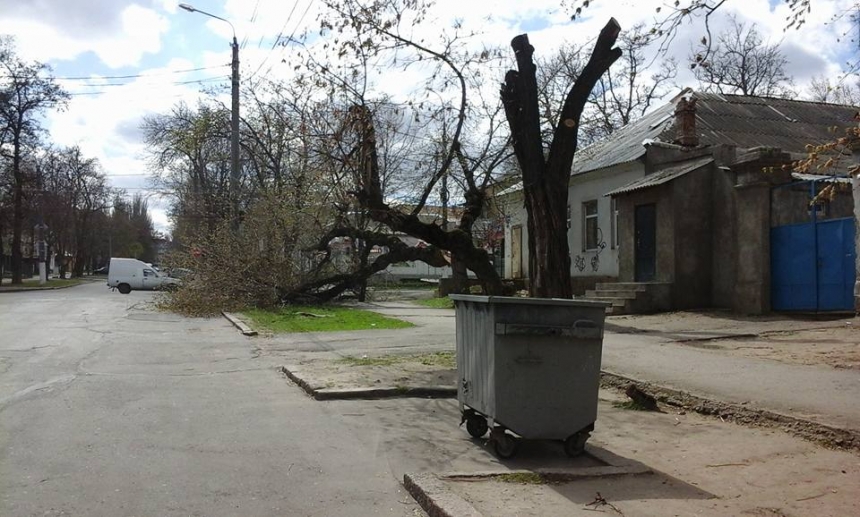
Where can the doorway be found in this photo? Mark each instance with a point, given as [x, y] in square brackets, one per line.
[645, 249]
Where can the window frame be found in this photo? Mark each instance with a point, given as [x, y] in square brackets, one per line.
[586, 217]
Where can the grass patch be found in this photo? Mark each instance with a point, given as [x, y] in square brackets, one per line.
[522, 478]
[444, 360]
[631, 405]
[385, 360]
[437, 303]
[321, 319]
[33, 283]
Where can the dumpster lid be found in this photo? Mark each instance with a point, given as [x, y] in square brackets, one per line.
[528, 301]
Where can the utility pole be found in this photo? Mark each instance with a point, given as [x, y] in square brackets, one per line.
[234, 141]
[235, 170]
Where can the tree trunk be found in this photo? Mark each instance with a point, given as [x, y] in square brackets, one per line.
[2, 249]
[61, 251]
[549, 252]
[459, 275]
[546, 175]
[17, 212]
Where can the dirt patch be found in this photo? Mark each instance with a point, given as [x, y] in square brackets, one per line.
[834, 347]
[827, 436]
[421, 370]
[811, 340]
[715, 321]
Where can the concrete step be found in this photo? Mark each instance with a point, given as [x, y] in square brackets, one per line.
[617, 311]
[616, 302]
[621, 286]
[605, 293]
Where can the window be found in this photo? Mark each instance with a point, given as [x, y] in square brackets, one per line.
[589, 225]
[614, 223]
[148, 273]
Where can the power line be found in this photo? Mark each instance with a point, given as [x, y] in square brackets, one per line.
[133, 76]
[280, 34]
[177, 83]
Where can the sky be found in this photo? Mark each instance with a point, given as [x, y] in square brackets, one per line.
[122, 60]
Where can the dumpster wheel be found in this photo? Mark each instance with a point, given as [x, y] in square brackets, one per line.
[504, 444]
[476, 425]
[575, 443]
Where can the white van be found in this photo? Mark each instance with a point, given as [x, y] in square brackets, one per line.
[127, 274]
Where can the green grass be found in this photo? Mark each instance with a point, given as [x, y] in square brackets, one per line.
[321, 319]
[522, 478]
[33, 283]
[631, 405]
[437, 303]
[445, 360]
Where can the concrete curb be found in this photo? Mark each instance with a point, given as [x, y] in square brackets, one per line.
[437, 500]
[322, 393]
[823, 434]
[239, 324]
[432, 495]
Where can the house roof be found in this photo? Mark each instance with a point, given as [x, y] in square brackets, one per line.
[625, 144]
[766, 122]
[738, 120]
[664, 175]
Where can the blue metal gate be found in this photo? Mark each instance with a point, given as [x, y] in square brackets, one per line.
[812, 264]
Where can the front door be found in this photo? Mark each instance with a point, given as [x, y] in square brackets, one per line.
[517, 252]
[645, 252]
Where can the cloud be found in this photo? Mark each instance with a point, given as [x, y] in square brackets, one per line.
[118, 33]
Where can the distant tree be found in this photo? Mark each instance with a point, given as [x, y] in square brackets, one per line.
[26, 91]
[741, 62]
[189, 150]
[626, 92]
[822, 89]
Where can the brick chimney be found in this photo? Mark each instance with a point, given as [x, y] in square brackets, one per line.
[685, 122]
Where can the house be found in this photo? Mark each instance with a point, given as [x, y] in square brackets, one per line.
[691, 206]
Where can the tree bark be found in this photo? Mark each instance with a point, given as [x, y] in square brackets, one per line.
[17, 212]
[545, 179]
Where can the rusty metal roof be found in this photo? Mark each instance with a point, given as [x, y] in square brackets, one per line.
[664, 175]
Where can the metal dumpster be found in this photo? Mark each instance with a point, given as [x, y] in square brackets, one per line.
[530, 366]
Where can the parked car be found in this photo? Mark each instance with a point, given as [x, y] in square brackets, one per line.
[127, 274]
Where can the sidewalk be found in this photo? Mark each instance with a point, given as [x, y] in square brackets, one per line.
[675, 462]
[709, 355]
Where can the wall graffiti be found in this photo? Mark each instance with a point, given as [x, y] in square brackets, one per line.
[580, 260]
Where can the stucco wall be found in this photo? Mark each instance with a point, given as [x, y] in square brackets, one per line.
[590, 187]
[661, 196]
[724, 239]
[692, 198]
[587, 187]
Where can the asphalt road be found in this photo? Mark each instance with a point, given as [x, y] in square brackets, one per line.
[108, 408]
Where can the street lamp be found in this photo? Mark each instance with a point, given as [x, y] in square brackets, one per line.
[234, 121]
